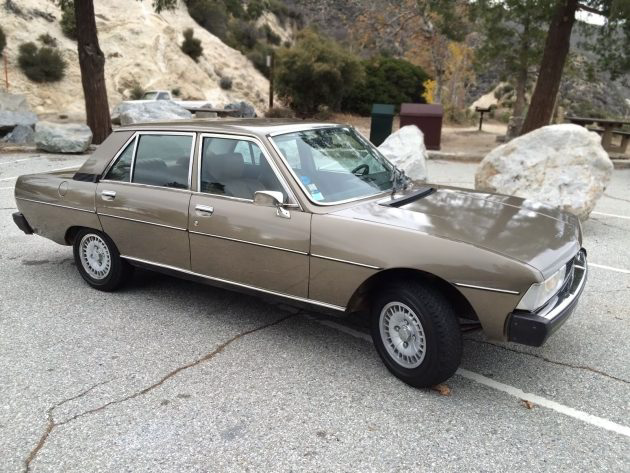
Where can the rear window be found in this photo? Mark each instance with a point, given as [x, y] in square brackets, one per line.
[163, 160]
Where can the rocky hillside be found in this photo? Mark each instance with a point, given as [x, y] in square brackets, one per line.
[141, 48]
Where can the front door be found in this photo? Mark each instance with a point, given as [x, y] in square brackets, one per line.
[143, 200]
[233, 240]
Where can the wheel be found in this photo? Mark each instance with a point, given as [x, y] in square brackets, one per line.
[99, 261]
[416, 333]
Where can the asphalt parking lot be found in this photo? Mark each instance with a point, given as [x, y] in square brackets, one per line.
[169, 375]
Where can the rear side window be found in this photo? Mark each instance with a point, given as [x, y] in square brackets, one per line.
[163, 160]
[121, 171]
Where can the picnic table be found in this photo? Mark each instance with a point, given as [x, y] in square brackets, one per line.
[221, 113]
[608, 127]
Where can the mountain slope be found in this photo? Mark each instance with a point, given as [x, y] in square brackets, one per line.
[141, 47]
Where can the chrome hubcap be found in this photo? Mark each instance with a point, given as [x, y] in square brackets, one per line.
[402, 334]
[95, 256]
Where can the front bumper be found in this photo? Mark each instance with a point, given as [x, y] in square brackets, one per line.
[22, 224]
[533, 328]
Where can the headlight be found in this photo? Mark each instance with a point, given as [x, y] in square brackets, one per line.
[540, 293]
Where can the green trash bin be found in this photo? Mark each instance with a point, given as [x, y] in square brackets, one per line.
[382, 122]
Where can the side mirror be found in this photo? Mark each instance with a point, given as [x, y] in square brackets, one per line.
[272, 199]
[268, 198]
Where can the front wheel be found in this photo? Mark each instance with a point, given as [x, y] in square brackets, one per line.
[99, 261]
[416, 334]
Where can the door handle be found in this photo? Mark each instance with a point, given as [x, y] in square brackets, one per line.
[108, 195]
[204, 210]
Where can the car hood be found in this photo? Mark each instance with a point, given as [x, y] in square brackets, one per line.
[524, 230]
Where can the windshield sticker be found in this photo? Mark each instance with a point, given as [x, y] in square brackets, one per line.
[315, 193]
[305, 180]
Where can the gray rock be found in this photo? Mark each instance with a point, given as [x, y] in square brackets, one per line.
[128, 113]
[247, 110]
[405, 148]
[15, 110]
[20, 135]
[560, 165]
[62, 138]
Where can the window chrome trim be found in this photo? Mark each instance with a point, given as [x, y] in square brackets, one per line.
[293, 201]
[363, 265]
[288, 250]
[238, 284]
[151, 186]
[55, 205]
[299, 181]
[484, 288]
[101, 214]
[136, 136]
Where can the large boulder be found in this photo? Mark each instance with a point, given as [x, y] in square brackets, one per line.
[20, 135]
[561, 165]
[129, 113]
[246, 110]
[14, 111]
[405, 148]
[62, 137]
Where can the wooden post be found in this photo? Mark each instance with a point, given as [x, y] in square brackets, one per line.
[270, 61]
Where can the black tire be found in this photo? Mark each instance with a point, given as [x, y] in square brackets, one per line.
[440, 328]
[118, 271]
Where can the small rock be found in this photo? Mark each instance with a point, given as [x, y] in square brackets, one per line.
[20, 135]
[560, 165]
[247, 110]
[62, 137]
[15, 110]
[129, 113]
[405, 148]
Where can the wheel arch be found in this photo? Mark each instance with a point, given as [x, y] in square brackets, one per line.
[72, 232]
[361, 298]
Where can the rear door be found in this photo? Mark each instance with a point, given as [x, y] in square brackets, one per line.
[143, 200]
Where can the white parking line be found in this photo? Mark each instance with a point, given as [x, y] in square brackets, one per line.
[506, 388]
[625, 217]
[77, 166]
[609, 268]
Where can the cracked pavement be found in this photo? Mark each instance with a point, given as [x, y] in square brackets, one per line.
[169, 375]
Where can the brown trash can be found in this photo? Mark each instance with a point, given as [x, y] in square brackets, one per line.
[427, 117]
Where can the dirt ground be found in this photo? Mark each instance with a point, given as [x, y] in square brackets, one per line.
[458, 139]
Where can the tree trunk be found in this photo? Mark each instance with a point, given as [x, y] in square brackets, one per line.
[92, 63]
[521, 75]
[556, 50]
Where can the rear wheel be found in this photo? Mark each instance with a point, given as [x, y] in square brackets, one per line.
[416, 334]
[99, 261]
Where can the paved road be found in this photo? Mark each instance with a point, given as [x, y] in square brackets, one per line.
[168, 375]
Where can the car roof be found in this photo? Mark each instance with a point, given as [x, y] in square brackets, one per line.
[256, 126]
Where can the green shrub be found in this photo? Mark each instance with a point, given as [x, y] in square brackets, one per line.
[68, 22]
[48, 40]
[316, 72]
[243, 35]
[270, 35]
[279, 112]
[176, 92]
[3, 40]
[284, 13]
[41, 64]
[211, 15]
[191, 45]
[387, 80]
[136, 92]
[225, 83]
[255, 9]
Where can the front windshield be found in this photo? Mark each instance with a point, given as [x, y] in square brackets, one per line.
[149, 95]
[335, 164]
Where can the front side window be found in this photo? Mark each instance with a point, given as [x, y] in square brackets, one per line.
[236, 168]
[121, 170]
[163, 160]
[335, 164]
